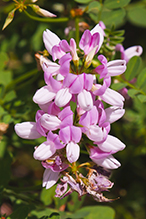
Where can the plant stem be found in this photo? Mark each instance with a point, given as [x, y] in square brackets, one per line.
[130, 85]
[49, 20]
[20, 79]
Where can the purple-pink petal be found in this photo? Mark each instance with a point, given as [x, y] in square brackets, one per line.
[50, 39]
[49, 178]
[97, 153]
[44, 95]
[44, 151]
[27, 130]
[72, 152]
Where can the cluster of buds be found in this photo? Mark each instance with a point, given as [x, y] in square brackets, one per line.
[73, 116]
[21, 6]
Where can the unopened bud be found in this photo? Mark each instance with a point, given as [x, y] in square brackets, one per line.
[41, 12]
[9, 18]
[76, 12]
[90, 56]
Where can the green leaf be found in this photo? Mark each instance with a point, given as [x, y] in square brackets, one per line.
[9, 96]
[74, 203]
[141, 80]
[36, 39]
[132, 92]
[114, 17]
[3, 60]
[5, 169]
[83, 1]
[43, 213]
[116, 3]
[132, 67]
[3, 145]
[118, 32]
[118, 86]
[116, 40]
[7, 118]
[20, 213]
[95, 212]
[79, 214]
[54, 215]
[5, 77]
[47, 195]
[2, 89]
[94, 7]
[137, 16]
[141, 97]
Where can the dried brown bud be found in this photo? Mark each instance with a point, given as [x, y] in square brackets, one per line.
[76, 12]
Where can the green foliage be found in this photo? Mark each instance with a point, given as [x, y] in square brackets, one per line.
[118, 86]
[137, 15]
[95, 212]
[21, 212]
[132, 67]
[141, 79]
[116, 4]
[114, 17]
[83, 1]
[6, 161]
[47, 196]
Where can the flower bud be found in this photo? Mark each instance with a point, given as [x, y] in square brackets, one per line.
[41, 12]
[9, 18]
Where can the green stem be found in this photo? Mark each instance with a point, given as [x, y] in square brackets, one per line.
[100, 12]
[24, 189]
[77, 30]
[24, 197]
[20, 79]
[48, 20]
[130, 85]
[84, 152]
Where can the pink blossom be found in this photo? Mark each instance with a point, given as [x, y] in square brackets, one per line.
[27, 130]
[104, 159]
[111, 68]
[49, 178]
[111, 144]
[110, 96]
[114, 113]
[130, 52]
[71, 135]
[91, 39]
[45, 150]
[76, 84]
[93, 131]
[52, 122]
[57, 163]
[47, 92]
[50, 39]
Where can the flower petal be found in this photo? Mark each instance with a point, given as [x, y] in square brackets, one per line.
[85, 100]
[44, 95]
[112, 97]
[50, 178]
[27, 130]
[50, 122]
[50, 39]
[63, 96]
[72, 152]
[109, 162]
[112, 144]
[114, 113]
[44, 151]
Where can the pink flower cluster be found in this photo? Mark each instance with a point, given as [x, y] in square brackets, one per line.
[71, 79]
